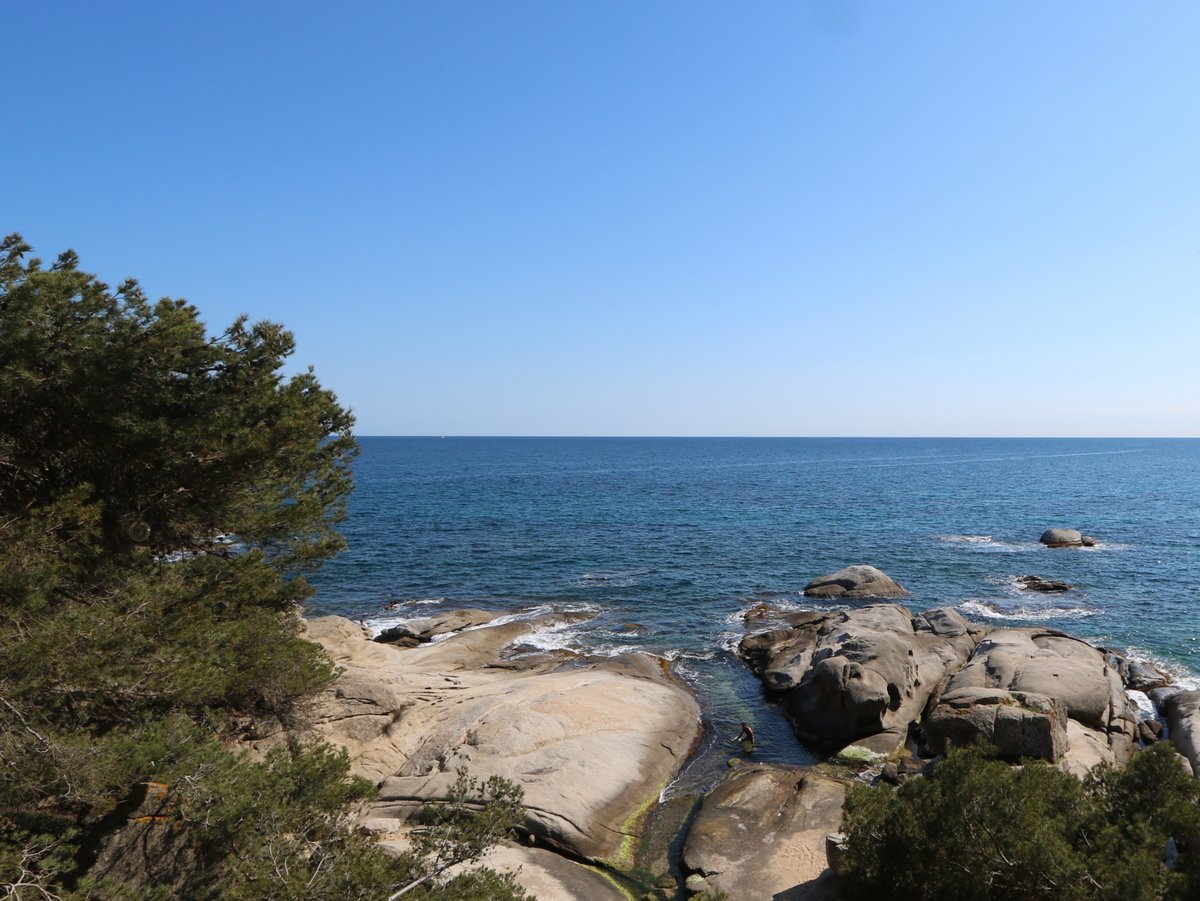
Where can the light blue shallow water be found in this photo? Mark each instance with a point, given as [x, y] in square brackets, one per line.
[671, 540]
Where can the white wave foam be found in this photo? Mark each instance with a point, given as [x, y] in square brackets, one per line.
[1145, 706]
[989, 543]
[379, 624]
[611, 579]
[1024, 612]
[555, 637]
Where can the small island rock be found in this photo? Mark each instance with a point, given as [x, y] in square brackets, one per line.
[1066, 538]
[858, 581]
[1036, 583]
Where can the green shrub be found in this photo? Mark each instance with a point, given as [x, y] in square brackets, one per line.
[981, 829]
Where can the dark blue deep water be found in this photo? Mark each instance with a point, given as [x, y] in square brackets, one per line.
[669, 541]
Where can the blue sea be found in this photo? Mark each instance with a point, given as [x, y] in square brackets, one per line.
[669, 541]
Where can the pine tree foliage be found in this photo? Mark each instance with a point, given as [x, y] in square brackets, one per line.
[162, 493]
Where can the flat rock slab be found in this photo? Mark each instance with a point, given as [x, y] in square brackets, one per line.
[760, 835]
[420, 631]
[591, 743]
[858, 581]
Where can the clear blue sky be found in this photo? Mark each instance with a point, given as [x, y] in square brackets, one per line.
[646, 218]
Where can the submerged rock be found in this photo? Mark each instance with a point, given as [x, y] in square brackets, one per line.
[762, 832]
[858, 581]
[853, 674]
[1066, 538]
[591, 743]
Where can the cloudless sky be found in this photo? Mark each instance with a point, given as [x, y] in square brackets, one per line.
[646, 218]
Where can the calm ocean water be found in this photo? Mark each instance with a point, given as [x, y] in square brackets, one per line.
[669, 541]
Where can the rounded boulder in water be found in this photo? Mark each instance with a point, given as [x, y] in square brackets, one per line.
[1066, 538]
[858, 581]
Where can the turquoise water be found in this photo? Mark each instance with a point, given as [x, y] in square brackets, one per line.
[669, 541]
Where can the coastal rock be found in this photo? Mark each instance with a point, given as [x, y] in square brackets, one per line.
[1043, 664]
[852, 674]
[1066, 538]
[420, 631]
[1149, 731]
[1139, 675]
[1035, 583]
[761, 834]
[1018, 724]
[592, 743]
[1183, 718]
[858, 581]
[542, 873]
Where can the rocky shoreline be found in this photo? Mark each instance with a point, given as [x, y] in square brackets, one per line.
[594, 741]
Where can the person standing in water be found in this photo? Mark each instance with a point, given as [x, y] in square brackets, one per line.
[746, 737]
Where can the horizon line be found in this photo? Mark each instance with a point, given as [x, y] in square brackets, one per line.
[821, 437]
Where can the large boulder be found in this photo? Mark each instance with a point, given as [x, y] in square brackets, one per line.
[1033, 666]
[1066, 538]
[850, 674]
[760, 835]
[1018, 724]
[1183, 717]
[859, 581]
[592, 743]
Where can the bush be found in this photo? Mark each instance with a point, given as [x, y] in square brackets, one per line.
[981, 829]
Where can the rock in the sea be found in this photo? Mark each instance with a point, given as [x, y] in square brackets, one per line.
[858, 581]
[420, 631]
[591, 743]
[851, 674]
[1035, 583]
[1139, 675]
[761, 834]
[1066, 538]
[1037, 664]
[1183, 717]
